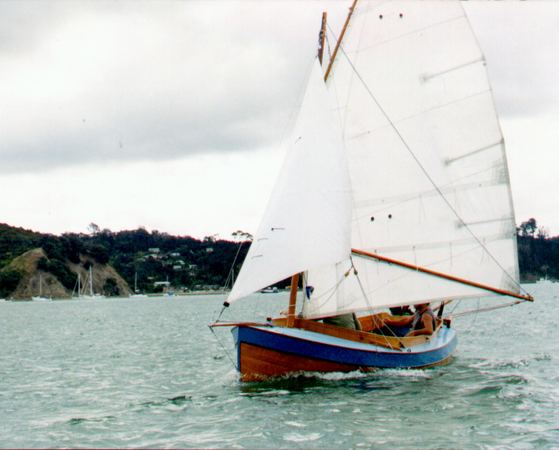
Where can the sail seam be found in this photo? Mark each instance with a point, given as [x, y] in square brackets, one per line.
[486, 221]
[391, 202]
[440, 244]
[419, 113]
[449, 161]
[429, 76]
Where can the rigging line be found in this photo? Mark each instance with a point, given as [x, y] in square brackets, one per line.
[223, 348]
[456, 304]
[370, 306]
[426, 173]
[223, 308]
[327, 41]
[490, 308]
[428, 110]
[330, 291]
[476, 314]
[231, 274]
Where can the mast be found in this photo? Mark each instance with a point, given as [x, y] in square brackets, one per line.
[292, 300]
[342, 34]
[322, 37]
[295, 278]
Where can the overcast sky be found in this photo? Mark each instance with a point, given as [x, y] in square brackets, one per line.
[170, 114]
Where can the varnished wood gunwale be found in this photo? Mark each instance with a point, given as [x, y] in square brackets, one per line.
[366, 335]
[369, 323]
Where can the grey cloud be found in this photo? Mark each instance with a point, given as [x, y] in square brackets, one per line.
[183, 78]
[152, 120]
[23, 23]
[143, 137]
[520, 41]
[199, 91]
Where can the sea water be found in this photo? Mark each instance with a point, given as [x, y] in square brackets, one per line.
[149, 373]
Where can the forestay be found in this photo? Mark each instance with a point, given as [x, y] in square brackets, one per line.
[426, 158]
[307, 220]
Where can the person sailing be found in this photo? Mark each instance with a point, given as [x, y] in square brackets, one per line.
[423, 321]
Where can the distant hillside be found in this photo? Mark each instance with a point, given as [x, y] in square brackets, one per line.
[31, 277]
[155, 259]
[37, 274]
[16, 241]
[151, 258]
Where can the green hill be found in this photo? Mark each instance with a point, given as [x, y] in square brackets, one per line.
[150, 257]
[155, 258]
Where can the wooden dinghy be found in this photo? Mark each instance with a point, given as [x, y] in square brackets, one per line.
[276, 350]
[394, 191]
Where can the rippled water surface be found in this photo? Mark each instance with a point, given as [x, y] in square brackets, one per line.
[149, 373]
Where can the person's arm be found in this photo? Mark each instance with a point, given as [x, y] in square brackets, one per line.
[398, 322]
[427, 329]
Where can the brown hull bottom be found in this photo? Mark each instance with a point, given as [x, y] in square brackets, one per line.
[258, 364]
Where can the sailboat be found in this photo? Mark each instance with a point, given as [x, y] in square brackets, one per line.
[76, 292]
[86, 293]
[40, 297]
[137, 293]
[394, 191]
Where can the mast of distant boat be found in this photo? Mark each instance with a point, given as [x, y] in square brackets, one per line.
[90, 282]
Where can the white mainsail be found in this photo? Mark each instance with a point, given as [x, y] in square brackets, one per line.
[426, 158]
[307, 221]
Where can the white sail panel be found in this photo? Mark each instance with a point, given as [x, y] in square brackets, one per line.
[426, 157]
[307, 220]
[385, 285]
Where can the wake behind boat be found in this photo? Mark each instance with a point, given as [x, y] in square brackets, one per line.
[395, 191]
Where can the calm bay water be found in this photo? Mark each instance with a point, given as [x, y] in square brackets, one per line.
[149, 373]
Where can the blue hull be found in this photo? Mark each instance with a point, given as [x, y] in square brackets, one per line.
[328, 353]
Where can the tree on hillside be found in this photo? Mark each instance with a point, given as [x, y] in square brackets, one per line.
[9, 279]
[528, 228]
[538, 255]
[93, 228]
[110, 287]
